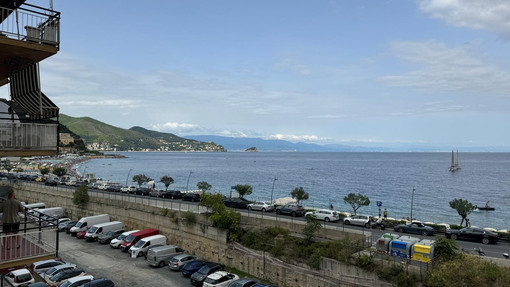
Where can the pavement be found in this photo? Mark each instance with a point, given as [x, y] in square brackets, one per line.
[102, 261]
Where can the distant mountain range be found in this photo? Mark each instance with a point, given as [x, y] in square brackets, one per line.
[109, 137]
[138, 138]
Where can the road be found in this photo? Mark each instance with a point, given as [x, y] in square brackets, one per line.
[492, 250]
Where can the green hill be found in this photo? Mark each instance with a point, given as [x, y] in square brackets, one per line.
[136, 138]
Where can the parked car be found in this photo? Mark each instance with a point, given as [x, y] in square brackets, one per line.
[114, 188]
[261, 205]
[107, 238]
[102, 282]
[220, 279]
[128, 189]
[361, 220]
[243, 282]
[172, 194]
[291, 209]
[81, 234]
[159, 256]
[77, 281]
[177, 262]
[142, 191]
[66, 226]
[65, 275]
[37, 284]
[237, 202]
[115, 243]
[51, 183]
[40, 267]
[192, 196]
[191, 267]
[56, 269]
[209, 268]
[156, 193]
[473, 234]
[415, 227]
[19, 277]
[324, 214]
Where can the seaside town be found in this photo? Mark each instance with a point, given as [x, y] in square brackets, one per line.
[187, 91]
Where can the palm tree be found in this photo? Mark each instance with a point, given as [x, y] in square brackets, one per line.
[166, 180]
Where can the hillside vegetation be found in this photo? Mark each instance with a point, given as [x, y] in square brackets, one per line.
[136, 138]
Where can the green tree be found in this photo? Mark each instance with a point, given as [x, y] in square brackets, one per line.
[59, 171]
[445, 249]
[166, 180]
[81, 196]
[222, 217]
[311, 228]
[356, 200]
[141, 179]
[44, 171]
[213, 202]
[243, 189]
[463, 207]
[299, 194]
[204, 186]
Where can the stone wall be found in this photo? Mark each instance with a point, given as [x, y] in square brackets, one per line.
[205, 241]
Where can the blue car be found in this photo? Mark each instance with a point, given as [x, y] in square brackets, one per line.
[191, 267]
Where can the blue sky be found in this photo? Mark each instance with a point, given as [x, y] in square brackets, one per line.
[433, 72]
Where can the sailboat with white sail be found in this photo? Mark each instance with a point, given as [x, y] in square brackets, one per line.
[455, 162]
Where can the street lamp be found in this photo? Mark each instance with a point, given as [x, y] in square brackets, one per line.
[128, 175]
[272, 189]
[187, 183]
[412, 200]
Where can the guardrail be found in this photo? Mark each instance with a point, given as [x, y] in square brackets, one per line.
[31, 23]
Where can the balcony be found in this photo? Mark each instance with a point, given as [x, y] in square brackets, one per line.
[28, 139]
[28, 34]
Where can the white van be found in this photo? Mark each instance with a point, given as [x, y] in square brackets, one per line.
[115, 243]
[31, 207]
[95, 230]
[85, 222]
[55, 212]
[138, 248]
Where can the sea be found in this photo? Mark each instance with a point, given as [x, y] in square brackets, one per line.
[388, 178]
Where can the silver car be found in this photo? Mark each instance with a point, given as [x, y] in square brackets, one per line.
[361, 220]
[324, 214]
[261, 205]
[178, 261]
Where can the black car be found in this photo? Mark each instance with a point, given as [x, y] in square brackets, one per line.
[65, 226]
[473, 234]
[102, 282]
[292, 209]
[142, 191]
[193, 197]
[51, 183]
[197, 279]
[66, 274]
[237, 202]
[191, 267]
[114, 188]
[415, 227]
[173, 194]
[106, 238]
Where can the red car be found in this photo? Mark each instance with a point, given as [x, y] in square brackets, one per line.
[81, 234]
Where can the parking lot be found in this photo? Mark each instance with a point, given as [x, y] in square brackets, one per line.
[102, 261]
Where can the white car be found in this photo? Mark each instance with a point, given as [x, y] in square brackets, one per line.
[219, 279]
[361, 220]
[77, 281]
[324, 214]
[20, 277]
[128, 189]
[115, 243]
[261, 205]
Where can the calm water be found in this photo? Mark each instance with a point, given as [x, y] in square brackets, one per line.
[328, 177]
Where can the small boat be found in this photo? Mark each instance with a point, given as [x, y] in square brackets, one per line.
[486, 208]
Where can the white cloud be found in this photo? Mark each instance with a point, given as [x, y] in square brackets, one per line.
[175, 127]
[487, 14]
[295, 138]
[444, 69]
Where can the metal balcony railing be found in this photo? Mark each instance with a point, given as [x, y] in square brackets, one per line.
[35, 239]
[31, 23]
[28, 136]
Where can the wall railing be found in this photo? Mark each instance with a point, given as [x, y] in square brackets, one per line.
[32, 24]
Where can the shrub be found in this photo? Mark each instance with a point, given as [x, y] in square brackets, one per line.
[81, 196]
[164, 211]
[189, 218]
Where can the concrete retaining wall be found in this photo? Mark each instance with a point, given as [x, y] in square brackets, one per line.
[206, 241]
